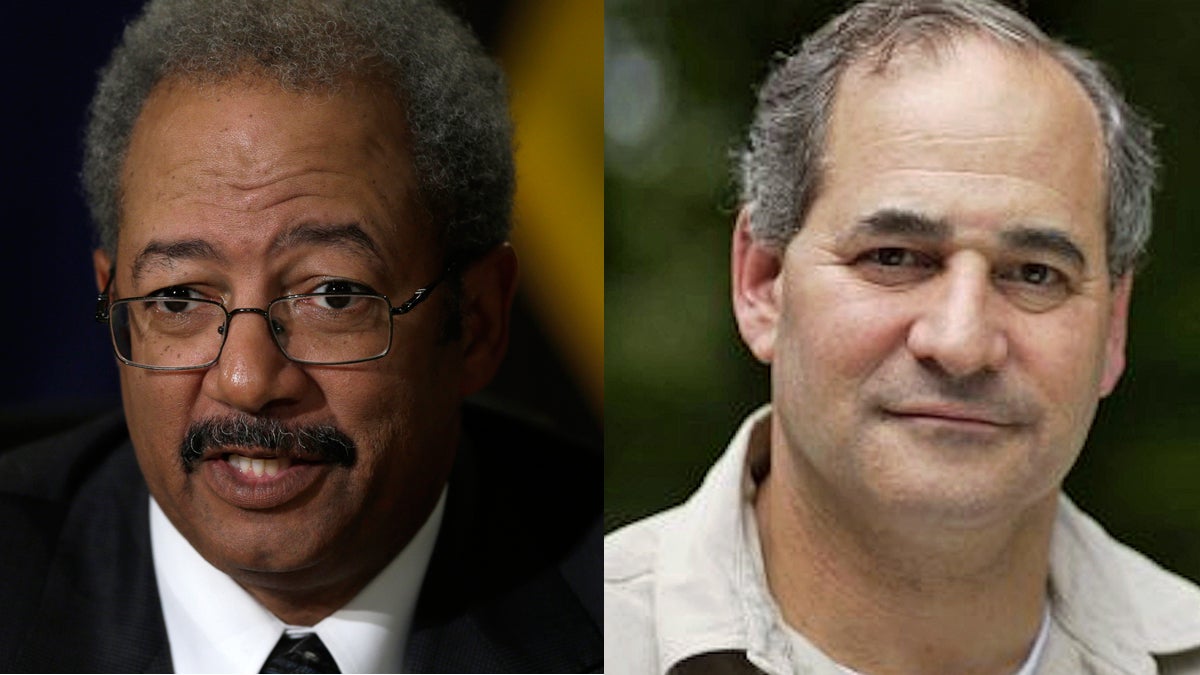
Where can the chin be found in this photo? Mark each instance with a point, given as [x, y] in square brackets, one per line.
[270, 568]
[961, 502]
[262, 547]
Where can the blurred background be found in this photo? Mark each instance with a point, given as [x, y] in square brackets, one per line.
[680, 77]
[56, 362]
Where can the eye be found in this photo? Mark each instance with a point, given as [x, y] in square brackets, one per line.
[175, 299]
[340, 287]
[892, 257]
[1035, 286]
[1038, 274]
[340, 294]
[894, 265]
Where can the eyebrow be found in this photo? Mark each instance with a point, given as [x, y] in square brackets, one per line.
[900, 222]
[1045, 240]
[344, 235]
[165, 254]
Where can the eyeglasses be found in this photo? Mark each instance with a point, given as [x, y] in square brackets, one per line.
[182, 333]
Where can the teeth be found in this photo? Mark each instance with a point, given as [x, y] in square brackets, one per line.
[258, 468]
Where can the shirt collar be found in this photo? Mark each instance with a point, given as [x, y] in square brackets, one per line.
[215, 626]
[1111, 602]
[707, 592]
[1114, 602]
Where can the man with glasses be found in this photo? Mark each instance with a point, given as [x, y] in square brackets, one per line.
[303, 211]
[942, 210]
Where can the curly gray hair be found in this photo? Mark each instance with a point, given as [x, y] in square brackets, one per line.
[780, 167]
[452, 94]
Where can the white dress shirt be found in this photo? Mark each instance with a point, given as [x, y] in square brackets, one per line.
[215, 626]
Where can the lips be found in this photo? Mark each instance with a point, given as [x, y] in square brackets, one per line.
[958, 422]
[259, 481]
[953, 414]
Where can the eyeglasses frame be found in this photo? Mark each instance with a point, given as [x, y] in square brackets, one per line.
[104, 308]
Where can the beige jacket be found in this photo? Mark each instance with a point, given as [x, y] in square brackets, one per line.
[684, 591]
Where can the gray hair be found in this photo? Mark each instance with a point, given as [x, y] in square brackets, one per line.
[452, 94]
[780, 168]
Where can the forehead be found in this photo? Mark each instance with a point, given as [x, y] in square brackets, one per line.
[976, 128]
[238, 158]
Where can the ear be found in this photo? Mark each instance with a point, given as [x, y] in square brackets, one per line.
[756, 268]
[102, 266]
[488, 288]
[1118, 322]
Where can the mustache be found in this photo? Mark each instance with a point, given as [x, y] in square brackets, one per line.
[316, 442]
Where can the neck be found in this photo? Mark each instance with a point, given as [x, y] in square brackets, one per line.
[883, 596]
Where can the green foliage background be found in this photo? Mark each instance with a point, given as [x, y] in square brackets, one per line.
[679, 91]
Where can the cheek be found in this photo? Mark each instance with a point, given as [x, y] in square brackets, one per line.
[365, 403]
[832, 329]
[158, 410]
[399, 417]
[390, 406]
[1064, 358]
[833, 338]
[159, 404]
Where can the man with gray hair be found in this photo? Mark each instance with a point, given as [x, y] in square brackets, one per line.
[303, 212]
[941, 213]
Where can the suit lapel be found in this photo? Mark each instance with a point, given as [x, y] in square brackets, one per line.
[538, 627]
[100, 611]
[490, 607]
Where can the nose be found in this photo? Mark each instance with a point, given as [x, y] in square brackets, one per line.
[958, 329]
[252, 375]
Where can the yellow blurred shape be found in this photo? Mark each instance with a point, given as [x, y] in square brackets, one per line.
[554, 57]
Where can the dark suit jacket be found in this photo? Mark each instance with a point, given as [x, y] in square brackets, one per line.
[513, 585]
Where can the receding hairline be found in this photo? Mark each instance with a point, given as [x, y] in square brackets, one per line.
[893, 59]
[897, 59]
